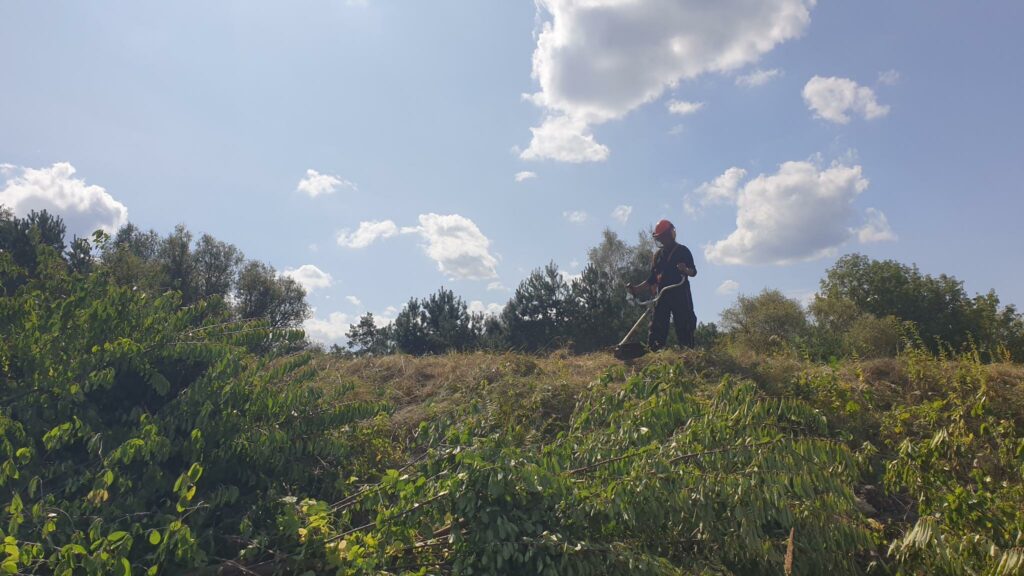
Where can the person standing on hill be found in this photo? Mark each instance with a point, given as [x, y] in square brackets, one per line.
[672, 264]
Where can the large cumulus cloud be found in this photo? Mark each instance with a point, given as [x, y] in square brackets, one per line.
[596, 60]
[85, 208]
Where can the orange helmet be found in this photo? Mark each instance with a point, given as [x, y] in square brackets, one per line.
[663, 228]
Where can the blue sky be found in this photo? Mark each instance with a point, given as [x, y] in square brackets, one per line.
[801, 131]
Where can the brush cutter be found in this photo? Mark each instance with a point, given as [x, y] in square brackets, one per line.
[627, 350]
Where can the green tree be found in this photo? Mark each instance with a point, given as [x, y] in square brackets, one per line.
[133, 440]
[536, 316]
[938, 305]
[437, 324]
[216, 265]
[130, 257]
[178, 265]
[598, 310]
[765, 323]
[22, 239]
[365, 338]
[79, 256]
[262, 294]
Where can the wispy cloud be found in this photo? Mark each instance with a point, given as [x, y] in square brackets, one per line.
[317, 184]
[758, 77]
[728, 287]
[683, 108]
[876, 229]
[621, 213]
[575, 216]
[367, 233]
[889, 77]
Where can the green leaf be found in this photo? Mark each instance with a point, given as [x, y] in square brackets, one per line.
[154, 537]
[127, 566]
[117, 536]
[195, 472]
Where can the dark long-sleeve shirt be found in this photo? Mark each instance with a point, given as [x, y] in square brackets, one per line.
[664, 271]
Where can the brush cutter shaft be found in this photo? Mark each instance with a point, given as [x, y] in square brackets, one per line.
[635, 326]
[650, 304]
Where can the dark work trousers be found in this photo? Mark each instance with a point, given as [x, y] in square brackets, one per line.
[678, 304]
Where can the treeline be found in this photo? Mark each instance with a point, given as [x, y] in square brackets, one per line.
[864, 307]
[204, 270]
[547, 311]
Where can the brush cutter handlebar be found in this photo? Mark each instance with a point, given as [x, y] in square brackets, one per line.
[626, 351]
[654, 301]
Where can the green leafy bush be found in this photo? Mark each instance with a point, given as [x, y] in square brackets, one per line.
[136, 439]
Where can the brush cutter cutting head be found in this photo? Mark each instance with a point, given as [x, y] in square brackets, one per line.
[630, 351]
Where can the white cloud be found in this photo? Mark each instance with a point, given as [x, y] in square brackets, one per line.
[315, 184]
[565, 139]
[309, 277]
[354, 301]
[876, 229]
[834, 99]
[804, 297]
[457, 245]
[330, 330]
[728, 287]
[724, 189]
[575, 216]
[367, 233]
[7, 169]
[525, 175]
[496, 286]
[758, 77]
[490, 309]
[889, 77]
[597, 60]
[683, 108]
[799, 213]
[621, 213]
[84, 208]
[568, 278]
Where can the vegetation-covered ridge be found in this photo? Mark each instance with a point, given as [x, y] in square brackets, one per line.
[139, 436]
[160, 414]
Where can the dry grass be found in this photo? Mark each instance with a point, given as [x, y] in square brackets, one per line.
[422, 388]
[545, 389]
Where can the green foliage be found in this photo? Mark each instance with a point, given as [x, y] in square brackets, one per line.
[598, 312]
[262, 293]
[962, 462]
[938, 306]
[768, 322]
[145, 429]
[135, 438]
[365, 338]
[437, 324]
[23, 238]
[536, 316]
